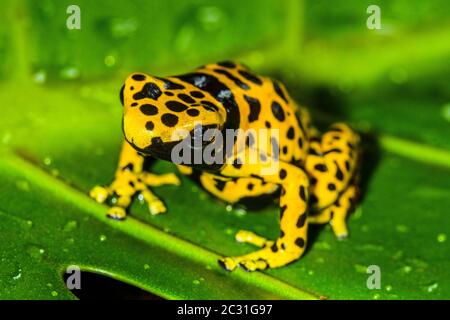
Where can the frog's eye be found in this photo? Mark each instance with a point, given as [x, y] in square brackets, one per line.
[121, 94]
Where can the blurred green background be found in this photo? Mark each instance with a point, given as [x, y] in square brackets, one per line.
[60, 135]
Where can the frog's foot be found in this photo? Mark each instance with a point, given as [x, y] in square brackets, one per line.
[99, 193]
[270, 256]
[155, 205]
[128, 184]
[154, 180]
[267, 257]
[245, 236]
[117, 213]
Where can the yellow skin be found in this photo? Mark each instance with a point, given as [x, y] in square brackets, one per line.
[315, 176]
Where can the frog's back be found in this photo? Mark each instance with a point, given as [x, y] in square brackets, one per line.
[254, 102]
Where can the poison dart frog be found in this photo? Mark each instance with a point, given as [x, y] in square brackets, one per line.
[315, 177]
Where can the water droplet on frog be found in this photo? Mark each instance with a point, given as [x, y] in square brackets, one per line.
[442, 237]
[35, 252]
[110, 60]
[388, 288]
[310, 273]
[229, 231]
[49, 285]
[47, 161]
[229, 208]
[70, 226]
[146, 266]
[69, 73]
[141, 198]
[196, 282]
[102, 238]
[40, 77]
[54, 293]
[376, 296]
[446, 112]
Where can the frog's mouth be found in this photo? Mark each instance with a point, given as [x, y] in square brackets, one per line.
[192, 143]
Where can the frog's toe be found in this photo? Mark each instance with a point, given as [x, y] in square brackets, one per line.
[227, 263]
[99, 194]
[153, 180]
[253, 265]
[342, 236]
[156, 207]
[250, 237]
[171, 178]
[230, 263]
[117, 213]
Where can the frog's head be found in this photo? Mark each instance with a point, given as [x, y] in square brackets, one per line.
[159, 113]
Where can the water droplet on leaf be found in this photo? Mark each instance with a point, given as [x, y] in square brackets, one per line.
[401, 228]
[40, 77]
[442, 237]
[69, 73]
[47, 161]
[446, 112]
[70, 226]
[36, 252]
[431, 287]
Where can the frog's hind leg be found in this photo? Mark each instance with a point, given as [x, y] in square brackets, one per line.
[245, 236]
[332, 168]
[291, 243]
[337, 213]
[331, 164]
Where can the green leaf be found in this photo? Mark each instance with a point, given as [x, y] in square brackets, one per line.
[60, 139]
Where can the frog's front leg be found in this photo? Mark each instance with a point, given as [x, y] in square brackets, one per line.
[129, 180]
[293, 220]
